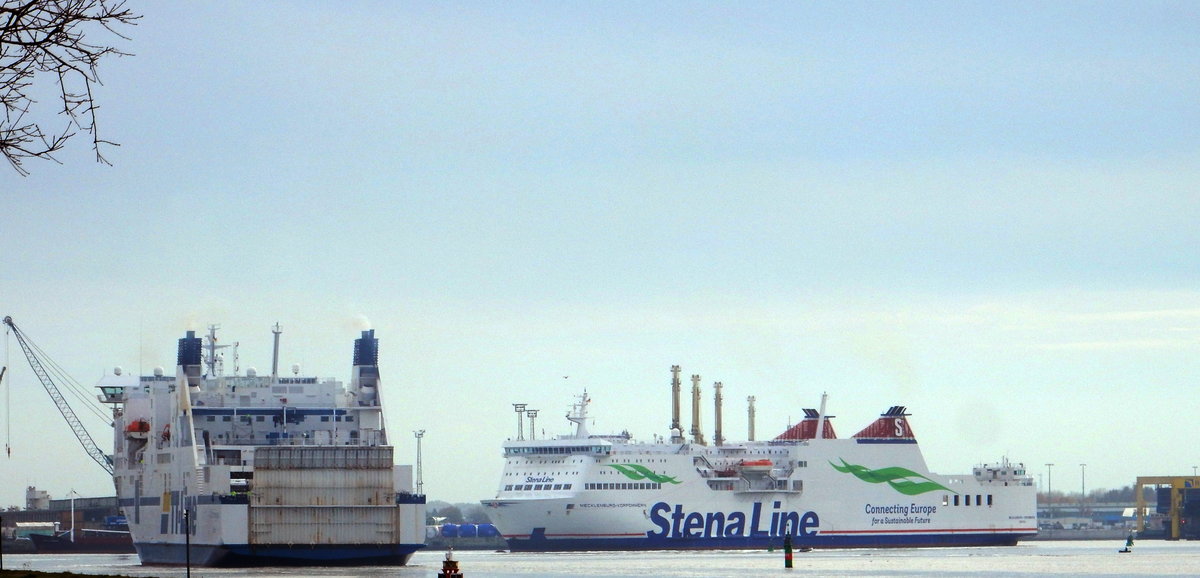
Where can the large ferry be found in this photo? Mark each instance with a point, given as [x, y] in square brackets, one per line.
[609, 492]
[244, 470]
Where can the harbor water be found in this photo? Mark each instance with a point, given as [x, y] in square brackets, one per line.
[1082, 558]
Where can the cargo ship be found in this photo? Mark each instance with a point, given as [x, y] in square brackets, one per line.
[250, 470]
[584, 491]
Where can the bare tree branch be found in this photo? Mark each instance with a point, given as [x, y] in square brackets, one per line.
[49, 38]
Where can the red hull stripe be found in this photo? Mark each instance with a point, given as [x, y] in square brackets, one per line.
[927, 531]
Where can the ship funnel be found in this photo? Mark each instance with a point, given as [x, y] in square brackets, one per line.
[676, 429]
[815, 425]
[191, 358]
[892, 424]
[366, 349]
[718, 439]
[189, 350]
[365, 376]
[697, 434]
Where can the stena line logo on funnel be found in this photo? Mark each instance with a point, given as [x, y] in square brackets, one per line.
[676, 522]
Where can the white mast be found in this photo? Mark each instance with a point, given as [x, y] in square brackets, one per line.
[579, 417]
[821, 416]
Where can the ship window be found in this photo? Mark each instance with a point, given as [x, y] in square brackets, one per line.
[226, 418]
[349, 418]
[955, 499]
[989, 499]
[324, 418]
[211, 418]
[566, 486]
[259, 418]
[945, 500]
[978, 500]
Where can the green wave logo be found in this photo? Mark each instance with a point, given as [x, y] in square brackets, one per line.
[636, 472]
[900, 479]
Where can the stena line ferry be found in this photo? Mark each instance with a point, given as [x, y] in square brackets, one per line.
[260, 470]
[587, 491]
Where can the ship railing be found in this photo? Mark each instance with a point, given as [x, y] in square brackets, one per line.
[295, 441]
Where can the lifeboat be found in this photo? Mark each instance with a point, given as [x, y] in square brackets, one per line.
[137, 429]
[756, 465]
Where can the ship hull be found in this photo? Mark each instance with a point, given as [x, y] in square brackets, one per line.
[246, 555]
[543, 544]
[248, 470]
[117, 544]
[874, 490]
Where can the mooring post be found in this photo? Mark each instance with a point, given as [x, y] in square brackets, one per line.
[187, 533]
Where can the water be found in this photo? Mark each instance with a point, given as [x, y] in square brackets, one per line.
[1083, 558]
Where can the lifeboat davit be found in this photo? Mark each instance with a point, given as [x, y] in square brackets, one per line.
[138, 430]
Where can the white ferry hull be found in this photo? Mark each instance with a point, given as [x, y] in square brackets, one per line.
[587, 492]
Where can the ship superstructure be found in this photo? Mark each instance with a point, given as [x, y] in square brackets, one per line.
[217, 469]
[584, 491]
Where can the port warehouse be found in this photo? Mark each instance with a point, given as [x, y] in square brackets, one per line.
[90, 513]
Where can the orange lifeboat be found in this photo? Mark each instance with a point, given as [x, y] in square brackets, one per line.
[756, 465]
[137, 429]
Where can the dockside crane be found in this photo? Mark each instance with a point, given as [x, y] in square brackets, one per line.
[64, 408]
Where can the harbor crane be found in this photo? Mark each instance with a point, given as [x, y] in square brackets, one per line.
[68, 414]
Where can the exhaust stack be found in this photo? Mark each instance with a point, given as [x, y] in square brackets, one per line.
[750, 415]
[718, 439]
[676, 428]
[275, 356]
[697, 435]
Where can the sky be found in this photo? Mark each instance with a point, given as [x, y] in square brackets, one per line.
[986, 212]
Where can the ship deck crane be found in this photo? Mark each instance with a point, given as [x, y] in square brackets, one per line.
[77, 428]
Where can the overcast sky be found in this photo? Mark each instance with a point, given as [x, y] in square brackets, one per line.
[987, 212]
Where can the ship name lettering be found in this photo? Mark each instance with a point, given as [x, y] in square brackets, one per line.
[675, 522]
[538, 480]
